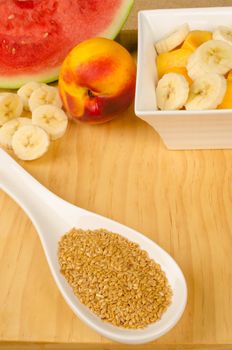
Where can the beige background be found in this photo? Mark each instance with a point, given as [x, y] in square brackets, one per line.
[159, 4]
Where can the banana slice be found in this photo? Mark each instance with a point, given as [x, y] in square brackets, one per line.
[172, 40]
[52, 119]
[214, 56]
[207, 92]
[172, 91]
[11, 107]
[223, 33]
[30, 142]
[26, 90]
[44, 95]
[8, 129]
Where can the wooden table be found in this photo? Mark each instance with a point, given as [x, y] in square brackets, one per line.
[180, 199]
[122, 170]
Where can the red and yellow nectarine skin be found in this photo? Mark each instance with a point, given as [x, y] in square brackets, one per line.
[97, 80]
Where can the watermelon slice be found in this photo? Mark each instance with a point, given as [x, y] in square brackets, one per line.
[36, 35]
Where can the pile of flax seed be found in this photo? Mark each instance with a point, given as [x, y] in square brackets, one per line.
[114, 277]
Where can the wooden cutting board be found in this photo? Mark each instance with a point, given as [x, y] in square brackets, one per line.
[122, 170]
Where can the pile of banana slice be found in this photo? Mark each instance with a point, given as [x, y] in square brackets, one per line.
[30, 138]
[206, 66]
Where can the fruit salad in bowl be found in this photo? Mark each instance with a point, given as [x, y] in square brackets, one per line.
[184, 76]
[193, 67]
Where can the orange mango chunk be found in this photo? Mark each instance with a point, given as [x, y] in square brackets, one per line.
[195, 38]
[229, 76]
[227, 100]
[169, 60]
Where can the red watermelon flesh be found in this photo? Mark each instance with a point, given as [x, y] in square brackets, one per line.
[36, 35]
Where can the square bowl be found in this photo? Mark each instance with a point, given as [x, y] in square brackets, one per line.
[181, 129]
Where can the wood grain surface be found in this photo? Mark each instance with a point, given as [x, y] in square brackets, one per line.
[180, 199]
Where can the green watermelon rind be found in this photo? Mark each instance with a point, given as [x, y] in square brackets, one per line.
[16, 82]
[117, 25]
[8, 82]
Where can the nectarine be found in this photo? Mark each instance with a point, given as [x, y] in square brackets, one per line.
[97, 80]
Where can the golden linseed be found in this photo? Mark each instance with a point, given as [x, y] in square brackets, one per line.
[114, 277]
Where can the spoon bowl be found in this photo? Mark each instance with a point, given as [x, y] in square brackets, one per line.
[53, 217]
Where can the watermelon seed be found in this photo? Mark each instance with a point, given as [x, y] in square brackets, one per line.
[45, 35]
[10, 17]
[13, 50]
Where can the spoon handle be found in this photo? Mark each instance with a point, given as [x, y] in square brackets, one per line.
[42, 206]
[33, 197]
[16, 181]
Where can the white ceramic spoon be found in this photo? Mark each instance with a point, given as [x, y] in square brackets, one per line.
[52, 217]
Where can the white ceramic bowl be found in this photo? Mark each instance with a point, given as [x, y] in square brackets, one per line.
[183, 129]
